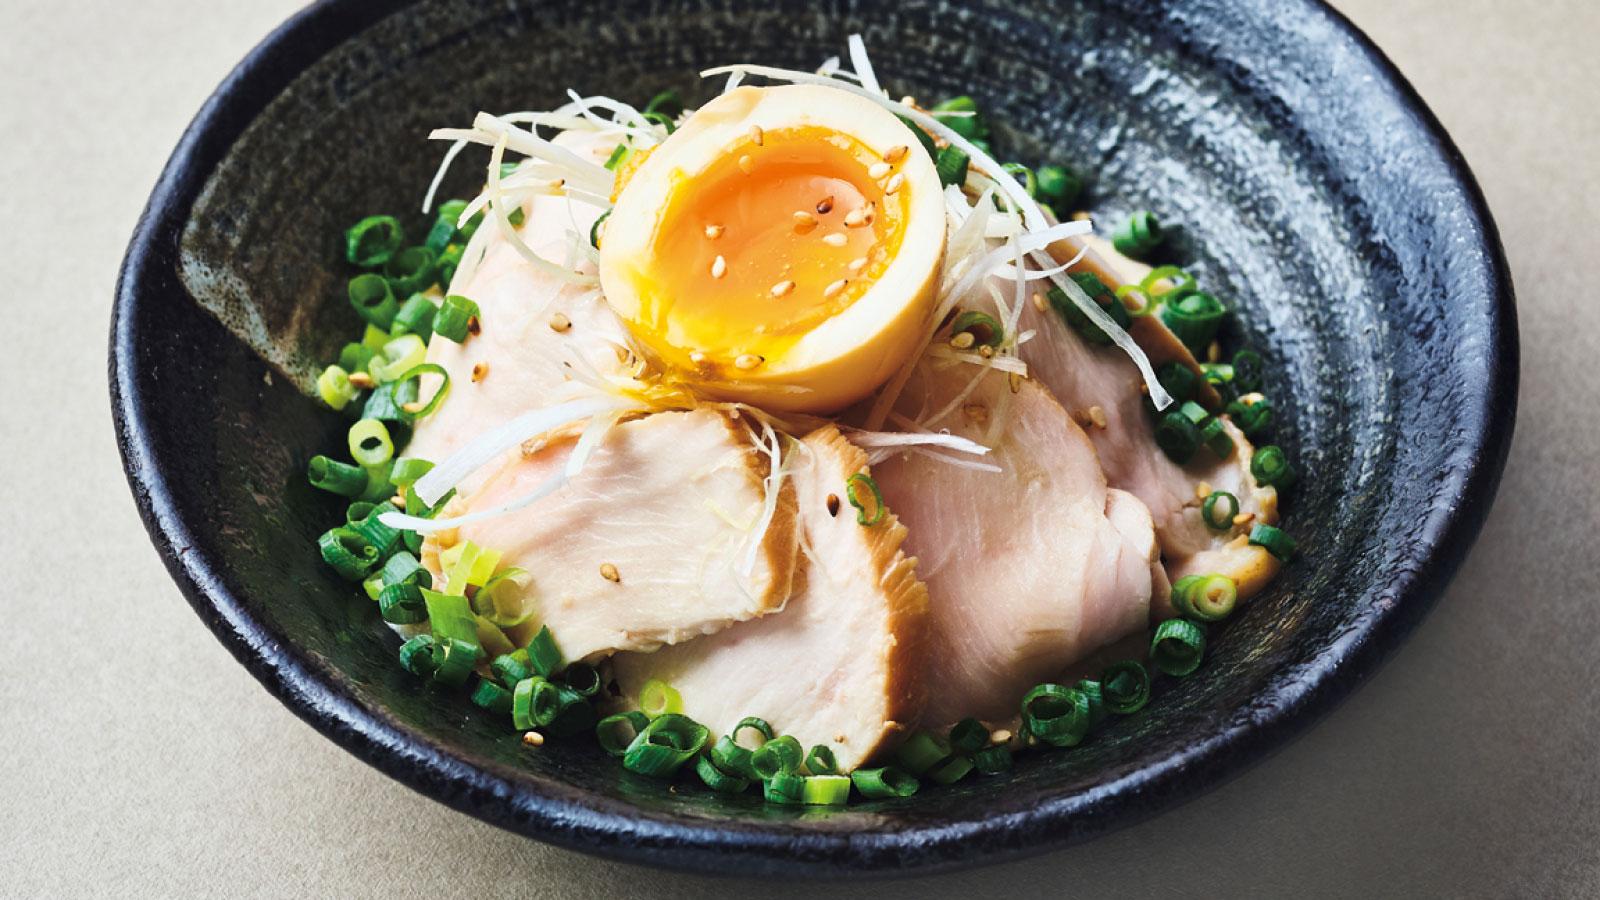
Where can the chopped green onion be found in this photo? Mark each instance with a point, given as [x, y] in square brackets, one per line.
[821, 761]
[1193, 317]
[373, 300]
[1059, 185]
[509, 669]
[398, 356]
[826, 790]
[522, 703]
[1215, 436]
[1275, 540]
[348, 553]
[786, 788]
[779, 755]
[544, 657]
[454, 319]
[416, 655]
[1194, 412]
[1025, 176]
[1249, 370]
[921, 752]
[1179, 380]
[369, 443]
[718, 780]
[372, 586]
[968, 736]
[664, 745]
[992, 760]
[1270, 466]
[960, 114]
[371, 241]
[1180, 593]
[884, 783]
[336, 477]
[453, 660]
[415, 317]
[335, 389]
[411, 270]
[667, 102]
[373, 338]
[444, 227]
[982, 326]
[1138, 236]
[951, 770]
[665, 121]
[451, 616]
[387, 403]
[560, 710]
[620, 153]
[1213, 599]
[1146, 304]
[406, 471]
[1055, 714]
[378, 485]
[401, 603]
[582, 678]
[492, 696]
[658, 698]
[353, 357]
[754, 722]
[1097, 703]
[449, 262]
[1177, 436]
[1125, 686]
[952, 163]
[1180, 282]
[852, 487]
[594, 230]
[923, 138]
[1219, 509]
[730, 757]
[1177, 647]
[1100, 294]
[613, 739]
[419, 370]
[1252, 413]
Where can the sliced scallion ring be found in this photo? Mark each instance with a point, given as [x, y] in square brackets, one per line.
[852, 491]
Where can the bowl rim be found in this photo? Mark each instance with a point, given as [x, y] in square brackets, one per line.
[581, 821]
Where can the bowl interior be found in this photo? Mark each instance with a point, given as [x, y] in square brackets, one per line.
[1306, 188]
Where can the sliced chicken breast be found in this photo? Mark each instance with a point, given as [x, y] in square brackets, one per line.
[1029, 568]
[1101, 385]
[841, 664]
[647, 544]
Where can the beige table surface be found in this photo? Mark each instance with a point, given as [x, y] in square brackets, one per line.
[137, 758]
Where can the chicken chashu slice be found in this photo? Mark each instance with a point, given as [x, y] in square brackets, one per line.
[840, 664]
[532, 323]
[1084, 376]
[1028, 569]
[645, 546]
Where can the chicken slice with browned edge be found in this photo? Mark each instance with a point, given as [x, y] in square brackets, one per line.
[1029, 568]
[840, 664]
[649, 543]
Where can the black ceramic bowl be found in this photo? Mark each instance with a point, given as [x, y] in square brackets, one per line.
[1310, 185]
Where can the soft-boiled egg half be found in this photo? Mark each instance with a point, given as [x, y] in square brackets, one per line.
[782, 248]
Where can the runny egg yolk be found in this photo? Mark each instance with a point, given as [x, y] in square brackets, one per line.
[781, 232]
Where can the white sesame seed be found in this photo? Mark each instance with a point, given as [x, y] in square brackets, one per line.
[533, 739]
[836, 239]
[747, 361]
[757, 135]
[609, 572]
[361, 379]
[895, 183]
[697, 357]
[1244, 518]
[1097, 415]
[895, 153]
[857, 264]
[714, 231]
[962, 341]
[835, 288]
[804, 221]
[1202, 490]
[782, 288]
[559, 323]
[878, 170]
[719, 267]
[1038, 301]
[856, 218]
[746, 164]
[986, 351]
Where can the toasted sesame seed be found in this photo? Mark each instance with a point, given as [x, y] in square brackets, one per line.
[1097, 415]
[746, 164]
[558, 183]
[825, 205]
[1038, 301]
[1244, 518]
[804, 221]
[361, 379]
[1080, 216]
[414, 406]
[1015, 379]
[719, 267]
[782, 288]
[1202, 490]
[999, 736]
[473, 325]
[479, 371]
[398, 501]
[836, 239]
[609, 572]
[986, 351]
[895, 183]
[833, 505]
[1252, 398]
[857, 264]
[963, 340]
[747, 361]
[714, 231]
[757, 136]
[1214, 352]
[878, 170]
[533, 739]
[895, 153]
[835, 288]
[560, 324]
